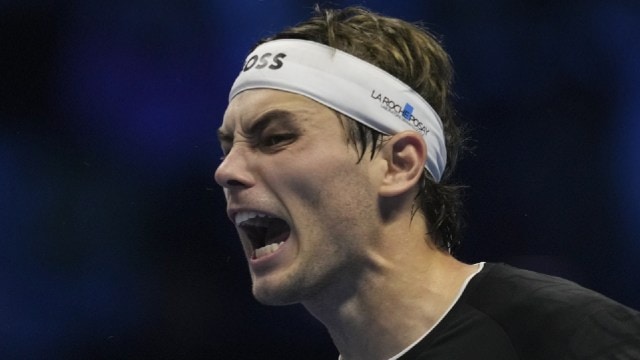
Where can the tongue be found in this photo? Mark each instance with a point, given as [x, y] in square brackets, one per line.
[277, 232]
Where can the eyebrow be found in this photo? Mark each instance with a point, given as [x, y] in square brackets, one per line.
[259, 124]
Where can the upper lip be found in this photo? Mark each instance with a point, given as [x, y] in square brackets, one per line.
[233, 212]
[243, 216]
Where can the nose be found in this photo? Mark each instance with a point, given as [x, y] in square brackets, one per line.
[233, 171]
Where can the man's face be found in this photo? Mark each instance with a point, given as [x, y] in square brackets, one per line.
[303, 207]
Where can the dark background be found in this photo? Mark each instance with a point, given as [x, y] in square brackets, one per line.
[113, 238]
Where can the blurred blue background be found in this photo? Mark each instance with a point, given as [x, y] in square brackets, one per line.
[113, 238]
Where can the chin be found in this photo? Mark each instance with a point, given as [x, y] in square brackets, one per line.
[275, 296]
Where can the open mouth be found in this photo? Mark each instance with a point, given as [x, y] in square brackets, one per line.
[266, 233]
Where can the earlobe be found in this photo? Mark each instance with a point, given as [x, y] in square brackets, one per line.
[405, 153]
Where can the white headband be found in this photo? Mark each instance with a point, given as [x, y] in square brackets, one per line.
[348, 85]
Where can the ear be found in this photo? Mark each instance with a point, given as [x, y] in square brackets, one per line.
[406, 153]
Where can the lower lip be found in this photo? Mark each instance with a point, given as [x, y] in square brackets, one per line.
[268, 262]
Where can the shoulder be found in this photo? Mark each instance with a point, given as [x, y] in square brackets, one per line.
[503, 288]
[500, 285]
[551, 316]
[507, 313]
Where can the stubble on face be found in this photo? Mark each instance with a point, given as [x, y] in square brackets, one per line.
[332, 223]
[326, 191]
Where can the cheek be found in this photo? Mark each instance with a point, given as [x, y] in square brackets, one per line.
[331, 199]
[323, 182]
[312, 171]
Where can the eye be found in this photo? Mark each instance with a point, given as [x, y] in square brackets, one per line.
[278, 139]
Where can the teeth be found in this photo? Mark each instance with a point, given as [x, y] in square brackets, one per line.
[266, 250]
[246, 215]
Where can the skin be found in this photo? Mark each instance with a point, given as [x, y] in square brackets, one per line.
[355, 257]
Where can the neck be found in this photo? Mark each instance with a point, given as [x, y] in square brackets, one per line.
[393, 302]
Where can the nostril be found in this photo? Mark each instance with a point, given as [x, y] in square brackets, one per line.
[234, 183]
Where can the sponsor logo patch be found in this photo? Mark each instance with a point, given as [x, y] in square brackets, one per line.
[266, 60]
[404, 113]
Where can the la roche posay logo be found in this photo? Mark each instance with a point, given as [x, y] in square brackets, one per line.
[404, 113]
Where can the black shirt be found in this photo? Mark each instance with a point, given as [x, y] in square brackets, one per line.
[509, 313]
